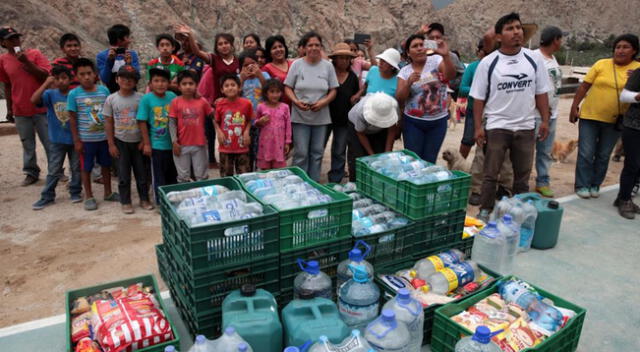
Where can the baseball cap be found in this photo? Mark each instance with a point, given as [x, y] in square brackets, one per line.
[159, 71]
[550, 33]
[128, 71]
[8, 32]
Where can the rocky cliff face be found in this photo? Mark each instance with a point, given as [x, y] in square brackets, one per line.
[42, 22]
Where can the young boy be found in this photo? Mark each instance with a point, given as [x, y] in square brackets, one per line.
[232, 122]
[186, 124]
[117, 55]
[84, 104]
[52, 94]
[123, 136]
[153, 120]
[166, 45]
[70, 46]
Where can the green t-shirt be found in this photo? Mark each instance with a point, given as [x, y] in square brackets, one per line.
[173, 67]
[155, 110]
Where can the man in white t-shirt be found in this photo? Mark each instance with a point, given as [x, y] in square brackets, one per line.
[508, 86]
[550, 42]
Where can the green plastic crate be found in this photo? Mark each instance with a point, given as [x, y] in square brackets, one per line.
[209, 324]
[446, 332]
[146, 280]
[210, 246]
[437, 231]
[303, 227]
[414, 201]
[429, 312]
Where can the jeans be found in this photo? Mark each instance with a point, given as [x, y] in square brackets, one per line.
[131, 158]
[191, 156]
[424, 137]
[57, 152]
[378, 143]
[27, 127]
[543, 153]
[631, 170]
[164, 171]
[338, 152]
[308, 141]
[521, 145]
[596, 141]
[210, 133]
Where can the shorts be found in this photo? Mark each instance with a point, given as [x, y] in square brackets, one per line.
[95, 151]
[234, 164]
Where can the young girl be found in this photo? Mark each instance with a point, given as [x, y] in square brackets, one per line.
[187, 115]
[232, 122]
[275, 123]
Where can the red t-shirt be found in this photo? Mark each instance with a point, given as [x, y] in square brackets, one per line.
[234, 117]
[23, 84]
[280, 75]
[219, 69]
[190, 116]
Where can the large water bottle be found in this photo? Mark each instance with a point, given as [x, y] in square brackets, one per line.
[489, 248]
[387, 334]
[479, 342]
[353, 343]
[202, 344]
[528, 227]
[427, 266]
[356, 257]
[359, 299]
[409, 311]
[511, 232]
[312, 280]
[452, 277]
[543, 315]
[230, 341]
[502, 208]
[179, 196]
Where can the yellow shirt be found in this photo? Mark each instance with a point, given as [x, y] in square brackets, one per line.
[601, 102]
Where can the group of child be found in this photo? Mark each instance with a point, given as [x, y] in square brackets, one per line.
[159, 135]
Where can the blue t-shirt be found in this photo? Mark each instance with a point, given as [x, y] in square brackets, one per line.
[57, 116]
[155, 110]
[252, 90]
[88, 109]
[375, 82]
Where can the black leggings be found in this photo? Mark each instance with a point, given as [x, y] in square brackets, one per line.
[631, 171]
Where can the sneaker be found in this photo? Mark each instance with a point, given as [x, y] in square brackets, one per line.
[146, 205]
[595, 192]
[484, 215]
[474, 199]
[127, 208]
[583, 193]
[90, 204]
[626, 209]
[28, 180]
[40, 204]
[545, 191]
[113, 197]
[76, 198]
[636, 208]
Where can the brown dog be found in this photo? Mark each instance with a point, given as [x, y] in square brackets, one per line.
[455, 161]
[561, 150]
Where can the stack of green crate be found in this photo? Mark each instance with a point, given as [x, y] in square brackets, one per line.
[318, 232]
[201, 265]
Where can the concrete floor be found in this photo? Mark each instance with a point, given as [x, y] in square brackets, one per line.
[594, 266]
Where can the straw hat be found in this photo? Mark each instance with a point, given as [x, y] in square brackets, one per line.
[342, 49]
[392, 57]
[380, 110]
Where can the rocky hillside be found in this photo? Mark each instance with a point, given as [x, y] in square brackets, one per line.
[43, 22]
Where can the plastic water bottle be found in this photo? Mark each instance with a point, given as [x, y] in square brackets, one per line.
[355, 196]
[358, 299]
[409, 311]
[365, 226]
[353, 343]
[502, 208]
[312, 280]
[372, 209]
[387, 334]
[291, 349]
[427, 266]
[356, 257]
[349, 187]
[202, 344]
[452, 277]
[528, 227]
[479, 342]
[179, 196]
[230, 341]
[489, 247]
[543, 315]
[511, 232]
[362, 203]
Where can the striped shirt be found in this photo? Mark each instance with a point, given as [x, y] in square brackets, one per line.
[88, 109]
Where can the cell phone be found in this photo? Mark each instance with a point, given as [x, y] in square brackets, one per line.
[431, 46]
[120, 51]
[359, 38]
[17, 49]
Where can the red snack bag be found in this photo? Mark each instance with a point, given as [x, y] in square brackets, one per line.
[87, 345]
[81, 327]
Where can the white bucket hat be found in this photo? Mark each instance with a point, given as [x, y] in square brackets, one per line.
[380, 110]
[392, 57]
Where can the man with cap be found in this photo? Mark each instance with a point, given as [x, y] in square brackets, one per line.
[550, 42]
[22, 72]
[371, 125]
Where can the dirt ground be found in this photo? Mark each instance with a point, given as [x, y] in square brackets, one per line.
[45, 253]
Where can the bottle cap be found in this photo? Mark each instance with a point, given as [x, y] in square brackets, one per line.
[323, 338]
[553, 204]
[243, 347]
[355, 255]
[313, 267]
[170, 348]
[492, 224]
[404, 295]
[230, 330]
[416, 282]
[200, 339]
[388, 315]
[360, 274]
[355, 332]
[248, 290]
[484, 335]
[425, 288]
[507, 219]
[292, 349]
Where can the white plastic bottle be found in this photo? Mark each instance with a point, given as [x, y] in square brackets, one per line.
[489, 247]
[230, 341]
[409, 311]
[479, 342]
[352, 343]
[511, 232]
[387, 334]
[202, 344]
